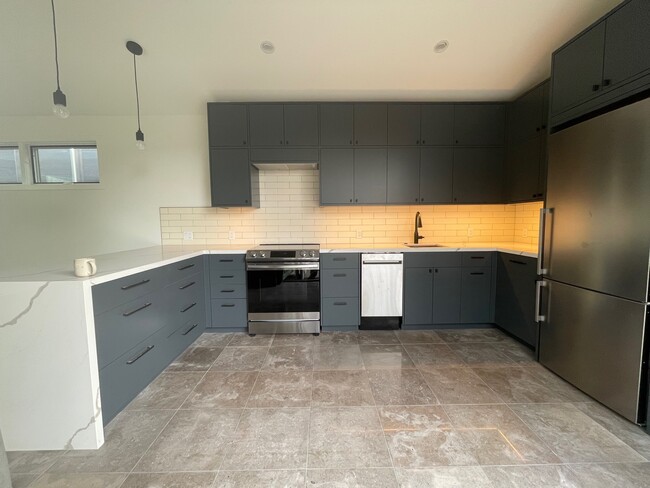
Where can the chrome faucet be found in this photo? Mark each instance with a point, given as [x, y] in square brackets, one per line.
[418, 224]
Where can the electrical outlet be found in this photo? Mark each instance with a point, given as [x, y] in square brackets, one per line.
[359, 234]
[524, 232]
[188, 235]
[231, 235]
[470, 232]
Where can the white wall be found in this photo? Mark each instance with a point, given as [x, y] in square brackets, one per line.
[43, 227]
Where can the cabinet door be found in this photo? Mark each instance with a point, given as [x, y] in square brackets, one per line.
[370, 124]
[475, 295]
[266, 124]
[418, 291]
[336, 176]
[578, 69]
[336, 124]
[446, 295]
[479, 124]
[437, 124]
[627, 43]
[301, 124]
[478, 175]
[515, 296]
[436, 174]
[527, 119]
[403, 124]
[403, 175]
[230, 178]
[369, 176]
[543, 141]
[227, 124]
[523, 169]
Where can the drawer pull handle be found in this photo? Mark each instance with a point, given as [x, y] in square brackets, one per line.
[340, 275]
[188, 285]
[139, 355]
[190, 329]
[228, 305]
[133, 285]
[187, 266]
[340, 303]
[188, 307]
[227, 291]
[226, 260]
[226, 276]
[477, 257]
[477, 273]
[340, 259]
[128, 314]
[517, 262]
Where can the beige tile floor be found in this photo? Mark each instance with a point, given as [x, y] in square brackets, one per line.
[465, 408]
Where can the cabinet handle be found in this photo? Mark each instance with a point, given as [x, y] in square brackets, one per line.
[128, 314]
[595, 87]
[286, 142]
[246, 201]
[607, 82]
[133, 285]
[543, 126]
[416, 199]
[430, 270]
[188, 266]
[340, 275]
[227, 305]
[417, 142]
[226, 291]
[423, 141]
[226, 276]
[350, 141]
[436, 271]
[350, 200]
[190, 329]
[357, 141]
[244, 142]
[340, 259]
[537, 129]
[188, 307]
[356, 199]
[338, 304]
[517, 262]
[226, 260]
[477, 257]
[421, 199]
[457, 141]
[281, 142]
[139, 355]
[477, 273]
[187, 286]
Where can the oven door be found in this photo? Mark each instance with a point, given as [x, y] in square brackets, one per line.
[283, 292]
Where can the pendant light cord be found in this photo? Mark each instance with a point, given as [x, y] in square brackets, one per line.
[137, 94]
[56, 48]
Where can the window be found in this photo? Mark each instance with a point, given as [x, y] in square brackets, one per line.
[10, 166]
[65, 164]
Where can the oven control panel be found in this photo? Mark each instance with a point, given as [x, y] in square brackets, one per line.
[283, 254]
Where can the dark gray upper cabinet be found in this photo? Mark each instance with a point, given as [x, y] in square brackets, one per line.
[336, 176]
[337, 124]
[479, 124]
[436, 174]
[447, 295]
[578, 69]
[523, 170]
[436, 124]
[276, 124]
[230, 178]
[403, 124]
[418, 293]
[526, 117]
[478, 175]
[370, 124]
[370, 176]
[403, 175]
[227, 124]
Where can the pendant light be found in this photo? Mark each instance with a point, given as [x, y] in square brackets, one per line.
[60, 107]
[136, 49]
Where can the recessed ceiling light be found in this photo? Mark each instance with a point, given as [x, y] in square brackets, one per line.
[267, 47]
[441, 46]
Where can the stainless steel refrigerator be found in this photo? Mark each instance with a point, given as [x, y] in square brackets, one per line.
[594, 258]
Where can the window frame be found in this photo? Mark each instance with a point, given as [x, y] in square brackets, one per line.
[15, 147]
[36, 170]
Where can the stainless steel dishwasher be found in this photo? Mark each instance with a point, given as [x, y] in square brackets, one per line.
[381, 290]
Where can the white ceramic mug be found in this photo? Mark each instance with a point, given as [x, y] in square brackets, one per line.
[85, 267]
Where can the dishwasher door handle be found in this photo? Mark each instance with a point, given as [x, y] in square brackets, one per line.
[382, 262]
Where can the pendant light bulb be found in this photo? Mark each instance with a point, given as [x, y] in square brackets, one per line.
[60, 107]
[139, 140]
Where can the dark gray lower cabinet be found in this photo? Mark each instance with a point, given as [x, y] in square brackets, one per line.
[446, 295]
[228, 292]
[234, 182]
[418, 293]
[476, 286]
[340, 286]
[478, 175]
[515, 296]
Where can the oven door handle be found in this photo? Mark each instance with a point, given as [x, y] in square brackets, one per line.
[282, 266]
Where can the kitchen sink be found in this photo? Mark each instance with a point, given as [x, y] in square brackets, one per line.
[410, 244]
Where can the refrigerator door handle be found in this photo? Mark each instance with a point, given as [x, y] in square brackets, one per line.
[543, 212]
[538, 300]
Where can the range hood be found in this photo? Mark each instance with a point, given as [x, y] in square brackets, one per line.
[285, 166]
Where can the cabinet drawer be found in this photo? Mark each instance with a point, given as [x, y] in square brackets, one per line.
[476, 258]
[125, 377]
[340, 282]
[122, 327]
[339, 260]
[219, 262]
[227, 291]
[340, 311]
[229, 313]
[116, 292]
[183, 336]
[183, 269]
[183, 293]
[431, 259]
[228, 277]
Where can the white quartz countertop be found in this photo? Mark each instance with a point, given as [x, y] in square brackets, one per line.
[119, 264]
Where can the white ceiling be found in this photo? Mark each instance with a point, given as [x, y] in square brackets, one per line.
[208, 50]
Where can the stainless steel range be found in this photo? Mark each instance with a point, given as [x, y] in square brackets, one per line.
[283, 283]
